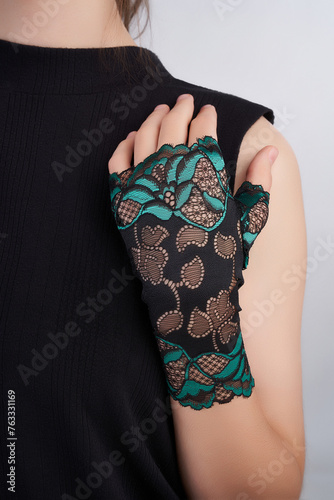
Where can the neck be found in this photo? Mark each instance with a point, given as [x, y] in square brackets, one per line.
[63, 23]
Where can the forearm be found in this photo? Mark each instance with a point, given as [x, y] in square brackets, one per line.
[260, 463]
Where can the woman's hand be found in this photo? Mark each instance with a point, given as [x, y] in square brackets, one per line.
[170, 126]
[188, 239]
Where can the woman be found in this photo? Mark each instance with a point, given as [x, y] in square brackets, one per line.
[84, 389]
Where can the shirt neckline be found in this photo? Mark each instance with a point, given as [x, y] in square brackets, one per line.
[76, 70]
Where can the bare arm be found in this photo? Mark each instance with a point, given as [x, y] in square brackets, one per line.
[254, 447]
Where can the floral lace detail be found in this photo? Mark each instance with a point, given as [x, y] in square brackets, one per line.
[190, 264]
[215, 322]
[182, 181]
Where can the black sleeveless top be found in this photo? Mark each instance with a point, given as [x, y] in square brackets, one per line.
[84, 403]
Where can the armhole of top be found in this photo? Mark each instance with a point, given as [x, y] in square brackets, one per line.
[240, 119]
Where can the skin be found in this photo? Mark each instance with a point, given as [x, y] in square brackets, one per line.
[77, 23]
[228, 450]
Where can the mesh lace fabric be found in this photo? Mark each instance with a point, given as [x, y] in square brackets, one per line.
[188, 239]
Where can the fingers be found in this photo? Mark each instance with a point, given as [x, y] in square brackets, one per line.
[204, 124]
[259, 171]
[148, 134]
[165, 126]
[121, 159]
[174, 126]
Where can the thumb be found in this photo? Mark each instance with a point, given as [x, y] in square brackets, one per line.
[259, 171]
[252, 198]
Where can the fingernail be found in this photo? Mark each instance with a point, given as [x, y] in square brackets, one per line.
[207, 106]
[183, 96]
[272, 155]
[160, 106]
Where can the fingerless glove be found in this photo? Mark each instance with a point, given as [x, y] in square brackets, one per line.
[188, 240]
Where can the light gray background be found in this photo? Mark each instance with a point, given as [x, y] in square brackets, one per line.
[277, 53]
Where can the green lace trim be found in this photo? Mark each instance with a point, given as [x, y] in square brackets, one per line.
[224, 376]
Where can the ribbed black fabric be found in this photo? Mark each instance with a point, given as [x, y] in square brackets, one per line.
[76, 342]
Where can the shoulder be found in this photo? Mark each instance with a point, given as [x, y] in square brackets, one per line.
[230, 106]
[286, 195]
[285, 232]
[263, 133]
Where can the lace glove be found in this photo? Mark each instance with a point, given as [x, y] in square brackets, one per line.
[188, 240]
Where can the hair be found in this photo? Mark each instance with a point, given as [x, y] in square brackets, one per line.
[128, 11]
